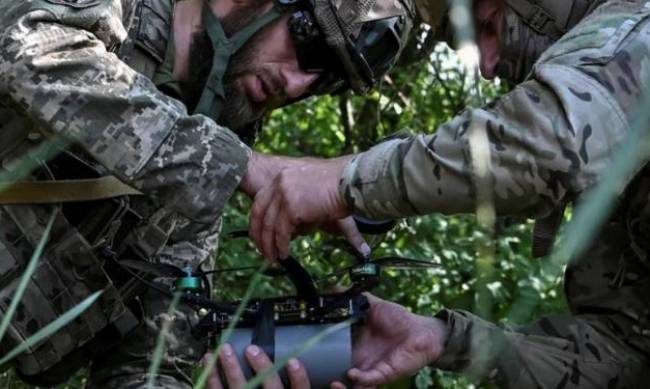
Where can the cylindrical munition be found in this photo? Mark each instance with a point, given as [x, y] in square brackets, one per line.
[327, 361]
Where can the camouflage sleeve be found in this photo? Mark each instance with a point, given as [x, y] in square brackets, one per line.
[554, 352]
[55, 68]
[549, 139]
[541, 151]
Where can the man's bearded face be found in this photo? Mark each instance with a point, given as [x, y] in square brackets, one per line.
[264, 74]
[242, 107]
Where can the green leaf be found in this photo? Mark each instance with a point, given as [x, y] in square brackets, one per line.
[23, 166]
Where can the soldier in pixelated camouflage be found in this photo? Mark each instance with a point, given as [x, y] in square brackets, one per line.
[582, 68]
[133, 115]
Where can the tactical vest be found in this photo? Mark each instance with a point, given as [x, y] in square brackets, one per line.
[86, 238]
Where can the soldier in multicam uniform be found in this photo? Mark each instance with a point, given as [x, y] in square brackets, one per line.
[551, 138]
[94, 138]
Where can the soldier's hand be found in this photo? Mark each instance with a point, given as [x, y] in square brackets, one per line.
[258, 361]
[302, 195]
[394, 343]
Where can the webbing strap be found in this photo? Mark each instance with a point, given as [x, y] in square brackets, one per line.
[264, 329]
[545, 231]
[164, 74]
[213, 96]
[62, 191]
[537, 18]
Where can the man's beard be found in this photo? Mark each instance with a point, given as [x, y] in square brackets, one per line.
[238, 110]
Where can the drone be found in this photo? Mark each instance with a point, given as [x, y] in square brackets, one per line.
[277, 323]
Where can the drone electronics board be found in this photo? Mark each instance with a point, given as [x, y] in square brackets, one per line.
[331, 308]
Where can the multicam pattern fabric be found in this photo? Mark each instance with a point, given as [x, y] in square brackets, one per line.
[59, 77]
[550, 140]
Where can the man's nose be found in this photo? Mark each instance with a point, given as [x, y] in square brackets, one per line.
[297, 81]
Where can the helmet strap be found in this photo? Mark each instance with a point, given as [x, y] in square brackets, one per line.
[213, 95]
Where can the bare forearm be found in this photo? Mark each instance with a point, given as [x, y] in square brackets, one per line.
[263, 168]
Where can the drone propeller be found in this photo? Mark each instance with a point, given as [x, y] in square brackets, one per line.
[373, 227]
[392, 262]
[156, 269]
[171, 271]
[269, 272]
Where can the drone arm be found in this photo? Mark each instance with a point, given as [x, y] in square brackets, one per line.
[305, 288]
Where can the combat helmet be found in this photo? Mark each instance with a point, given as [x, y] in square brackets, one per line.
[365, 36]
[351, 43]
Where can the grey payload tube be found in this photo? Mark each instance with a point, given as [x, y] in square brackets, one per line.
[326, 362]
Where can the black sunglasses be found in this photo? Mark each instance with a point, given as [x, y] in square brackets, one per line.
[374, 51]
[314, 54]
[312, 51]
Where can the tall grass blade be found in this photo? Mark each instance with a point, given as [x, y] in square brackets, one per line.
[462, 20]
[225, 335]
[307, 345]
[159, 351]
[24, 280]
[22, 167]
[53, 327]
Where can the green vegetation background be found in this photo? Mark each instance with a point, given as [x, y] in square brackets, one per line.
[426, 89]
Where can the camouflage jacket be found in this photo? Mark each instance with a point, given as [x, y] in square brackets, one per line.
[550, 139]
[60, 78]
[57, 71]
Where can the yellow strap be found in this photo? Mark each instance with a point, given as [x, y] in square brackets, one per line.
[62, 191]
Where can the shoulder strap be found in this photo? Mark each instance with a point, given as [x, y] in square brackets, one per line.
[164, 76]
[213, 95]
[62, 191]
[545, 231]
[538, 18]
[552, 18]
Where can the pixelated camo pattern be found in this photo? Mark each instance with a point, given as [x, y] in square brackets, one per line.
[59, 76]
[550, 139]
[64, 79]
